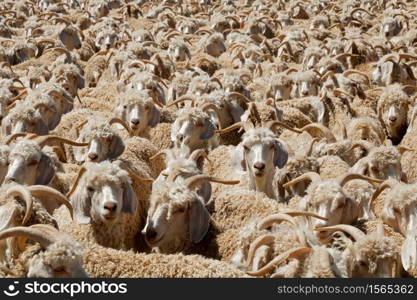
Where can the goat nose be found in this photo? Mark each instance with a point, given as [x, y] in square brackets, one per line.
[304, 93]
[92, 156]
[180, 137]
[135, 121]
[110, 206]
[393, 118]
[260, 166]
[150, 234]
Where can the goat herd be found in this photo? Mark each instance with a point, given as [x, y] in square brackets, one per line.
[202, 138]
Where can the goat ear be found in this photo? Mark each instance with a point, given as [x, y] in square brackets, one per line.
[350, 211]
[209, 129]
[238, 158]
[388, 216]
[160, 94]
[199, 221]
[81, 204]
[116, 148]
[174, 129]
[205, 191]
[154, 117]
[41, 128]
[280, 154]
[80, 82]
[5, 127]
[130, 201]
[409, 253]
[45, 171]
[320, 110]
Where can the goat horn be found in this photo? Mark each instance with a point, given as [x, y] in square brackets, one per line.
[271, 124]
[352, 176]
[305, 213]
[77, 180]
[324, 131]
[363, 144]
[42, 190]
[266, 239]
[182, 99]
[353, 231]
[310, 146]
[405, 56]
[53, 139]
[328, 74]
[121, 122]
[133, 174]
[14, 137]
[403, 149]
[39, 105]
[245, 125]
[36, 235]
[313, 176]
[275, 218]
[191, 182]
[163, 151]
[338, 92]
[199, 153]
[389, 183]
[231, 94]
[292, 253]
[25, 195]
[349, 72]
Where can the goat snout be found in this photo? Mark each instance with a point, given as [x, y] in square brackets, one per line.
[393, 118]
[150, 234]
[109, 210]
[135, 122]
[259, 168]
[10, 179]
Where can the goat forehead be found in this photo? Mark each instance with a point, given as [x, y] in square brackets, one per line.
[27, 150]
[326, 191]
[258, 135]
[375, 248]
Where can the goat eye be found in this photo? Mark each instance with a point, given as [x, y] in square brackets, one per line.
[90, 189]
[33, 163]
[363, 264]
[180, 209]
[246, 148]
[124, 106]
[396, 210]
[147, 107]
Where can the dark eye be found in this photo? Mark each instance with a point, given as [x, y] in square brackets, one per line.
[32, 163]
[272, 146]
[90, 189]
[246, 148]
[147, 107]
[363, 264]
[180, 209]
[124, 106]
[397, 211]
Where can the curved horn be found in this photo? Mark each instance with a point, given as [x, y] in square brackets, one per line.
[266, 239]
[353, 231]
[386, 184]
[121, 122]
[133, 174]
[363, 144]
[25, 195]
[42, 190]
[313, 176]
[349, 72]
[77, 180]
[36, 235]
[54, 139]
[182, 99]
[352, 176]
[14, 137]
[192, 181]
[199, 153]
[292, 253]
[245, 125]
[324, 131]
[271, 124]
[163, 151]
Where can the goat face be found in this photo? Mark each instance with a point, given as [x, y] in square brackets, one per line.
[394, 117]
[103, 192]
[179, 52]
[104, 144]
[180, 218]
[29, 165]
[140, 116]
[327, 199]
[31, 122]
[191, 128]
[69, 37]
[258, 154]
[390, 27]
